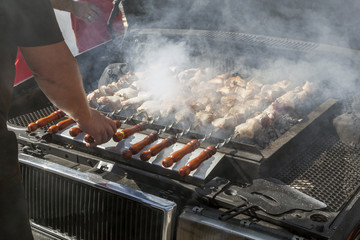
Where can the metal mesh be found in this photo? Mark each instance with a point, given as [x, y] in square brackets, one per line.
[251, 39]
[329, 172]
[25, 119]
[82, 211]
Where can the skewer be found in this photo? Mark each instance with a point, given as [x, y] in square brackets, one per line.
[60, 125]
[195, 163]
[90, 139]
[203, 156]
[118, 136]
[154, 150]
[188, 148]
[45, 120]
[137, 147]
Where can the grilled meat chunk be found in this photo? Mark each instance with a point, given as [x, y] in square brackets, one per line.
[113, 102]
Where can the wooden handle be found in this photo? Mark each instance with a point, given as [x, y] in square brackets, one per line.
[137, 128]
[118, 136]
[178, 155]
[60, 125]
[154, 150]
[75, 131]
[195, 163]
[136, 148]
[90, 139]
[45, 120]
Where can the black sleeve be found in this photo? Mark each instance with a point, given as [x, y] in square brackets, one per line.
[36, 23]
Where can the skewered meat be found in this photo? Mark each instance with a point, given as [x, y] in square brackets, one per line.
[273, 91]
[249, 128]
[113, 102]
[185, 75]
[109, 89]
[228, 120]
[93, 96]
[226, 90]
[287, 102]
[229, 100]
[203, 118]
[235, 81]
[252, 88]
[126, 93]
[184, 114]
[242, 109]
[137, 101]
[151, 107]
[218, 81]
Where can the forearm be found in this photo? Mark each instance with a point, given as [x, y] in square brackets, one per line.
[66, 92]
[57, 74]
[64, 5]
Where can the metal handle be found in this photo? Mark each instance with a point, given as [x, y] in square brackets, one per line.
[195, 163]
[178, 155]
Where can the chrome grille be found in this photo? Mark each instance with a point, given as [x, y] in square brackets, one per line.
[82, 211]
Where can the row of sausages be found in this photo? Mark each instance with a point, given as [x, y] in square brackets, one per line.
[137, 147]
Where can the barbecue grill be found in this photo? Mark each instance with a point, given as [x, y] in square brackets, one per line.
[302, 185]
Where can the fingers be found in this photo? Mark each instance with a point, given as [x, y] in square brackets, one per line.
[101, 129]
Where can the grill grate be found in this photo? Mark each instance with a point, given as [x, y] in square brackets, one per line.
[85, 212]
[25, 119]
[329, 172]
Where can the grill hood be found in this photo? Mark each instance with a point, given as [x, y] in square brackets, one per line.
[329, 22]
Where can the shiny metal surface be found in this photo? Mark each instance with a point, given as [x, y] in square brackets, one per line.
[166, 206]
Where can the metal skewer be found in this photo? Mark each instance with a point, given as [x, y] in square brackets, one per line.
[188, 148]
[156, 149]
[45, 120]
[137, 147]
[203, 156]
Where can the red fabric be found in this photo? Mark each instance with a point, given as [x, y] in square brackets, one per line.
[93, 34]
[22, 70]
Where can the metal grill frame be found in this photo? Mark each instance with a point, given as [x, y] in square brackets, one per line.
[167, 207]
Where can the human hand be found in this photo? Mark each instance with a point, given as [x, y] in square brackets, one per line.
[101, 128]
[86, 11]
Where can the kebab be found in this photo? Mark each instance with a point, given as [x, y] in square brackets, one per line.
[61, 125]
[179, 154]
[45, 120]
[124, 133]
[146, 155]
[152, 137]
[287, 102]
[240, 112]
[109, 89]
[156, 149]
[207, 153]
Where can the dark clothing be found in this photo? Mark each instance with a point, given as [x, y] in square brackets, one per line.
[14, 220]
[28, 24]
[22, 23]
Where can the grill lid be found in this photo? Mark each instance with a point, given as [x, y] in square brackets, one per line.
[302, 20]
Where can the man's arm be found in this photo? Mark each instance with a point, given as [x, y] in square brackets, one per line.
[57, 74]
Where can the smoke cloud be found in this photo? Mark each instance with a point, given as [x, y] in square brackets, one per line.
[160, 58]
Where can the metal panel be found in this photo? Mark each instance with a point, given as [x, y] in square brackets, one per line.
[85, 206]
